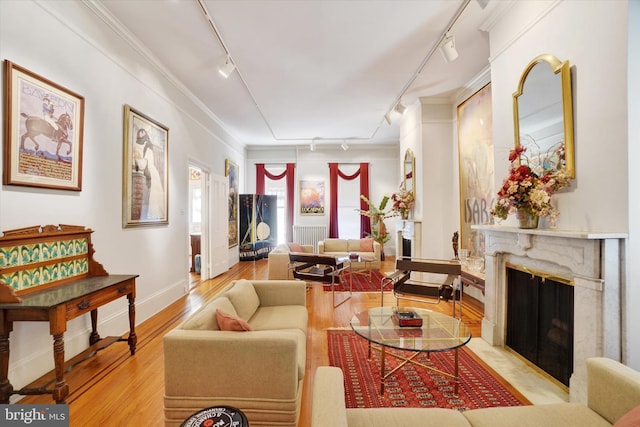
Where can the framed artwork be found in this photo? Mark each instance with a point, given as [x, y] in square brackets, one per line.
[146, 170]
[43, 130]
[311, 197]
[231, 171]
[475, 156]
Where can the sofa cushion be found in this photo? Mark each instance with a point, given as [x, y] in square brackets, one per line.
[205, 318]
[227, 322]
[335, 245]
[558, 414]
[244, 298]
[630, 419]
[366, 245]
[272, 318]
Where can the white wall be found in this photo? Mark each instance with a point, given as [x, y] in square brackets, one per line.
[313, 165]
[592, 36]
[67, 43]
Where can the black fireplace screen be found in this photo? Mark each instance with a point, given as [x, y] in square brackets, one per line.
[540, 322]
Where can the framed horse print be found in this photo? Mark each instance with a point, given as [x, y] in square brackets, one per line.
[43, 130]
[145, 170]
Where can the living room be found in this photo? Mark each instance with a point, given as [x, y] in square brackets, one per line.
[594, 36]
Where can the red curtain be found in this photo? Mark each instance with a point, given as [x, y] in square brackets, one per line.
[289, 173]
[334, 173]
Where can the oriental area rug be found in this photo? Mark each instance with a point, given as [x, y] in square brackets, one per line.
[414, 386]
[361, 282]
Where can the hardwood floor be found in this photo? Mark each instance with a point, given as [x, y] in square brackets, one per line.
[115, 389]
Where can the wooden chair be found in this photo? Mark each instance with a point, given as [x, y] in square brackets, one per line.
[406, 286]
[319, 268]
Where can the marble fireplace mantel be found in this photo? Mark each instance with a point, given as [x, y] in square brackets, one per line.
[593, 261]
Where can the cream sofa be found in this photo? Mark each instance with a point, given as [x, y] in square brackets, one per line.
[261, 372]
[613, 391]
[278, 261]
[344, 247]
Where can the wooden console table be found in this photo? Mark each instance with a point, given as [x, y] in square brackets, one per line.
[48, 274]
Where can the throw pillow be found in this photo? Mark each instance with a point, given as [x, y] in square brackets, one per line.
[244, 298]
[366, 245]
[205, 318]
[227, 322]
[294, 247]
[630, 419]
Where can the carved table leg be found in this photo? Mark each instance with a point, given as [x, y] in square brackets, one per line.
[6, 388]
[94, 337]
[61, 390]
[133, 339]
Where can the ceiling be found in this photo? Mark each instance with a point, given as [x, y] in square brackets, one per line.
[323, 70]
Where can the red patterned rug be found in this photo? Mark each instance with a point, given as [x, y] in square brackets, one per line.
[361, 282]
[414, 386]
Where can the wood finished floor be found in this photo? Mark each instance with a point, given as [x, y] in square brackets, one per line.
[115, 389]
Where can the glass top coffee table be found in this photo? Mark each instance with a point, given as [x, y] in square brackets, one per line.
[439, 332]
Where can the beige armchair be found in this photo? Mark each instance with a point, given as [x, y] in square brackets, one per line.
[278, 261]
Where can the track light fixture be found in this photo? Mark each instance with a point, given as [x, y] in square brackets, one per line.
[400, 108]
[227, 68]
[344, 146]
[448, 48]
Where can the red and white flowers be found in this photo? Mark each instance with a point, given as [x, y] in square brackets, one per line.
[524, 189]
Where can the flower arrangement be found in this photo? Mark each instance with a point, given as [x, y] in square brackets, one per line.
[525, 190]
[403, 201]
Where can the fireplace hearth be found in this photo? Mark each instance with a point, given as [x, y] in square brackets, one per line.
[592, 261]
[540, 321]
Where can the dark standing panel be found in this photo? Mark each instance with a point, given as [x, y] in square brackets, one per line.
[258, 216]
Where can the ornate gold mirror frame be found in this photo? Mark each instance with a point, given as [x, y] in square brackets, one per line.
[543, 114]
[409, 171]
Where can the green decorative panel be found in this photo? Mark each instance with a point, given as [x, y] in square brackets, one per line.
[50, 250]
[52, 254]
[82, 266]
[30, 278]
[12, 280]
[9, 256]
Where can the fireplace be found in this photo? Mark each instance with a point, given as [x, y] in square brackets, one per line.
[593, 262]
[540, 321]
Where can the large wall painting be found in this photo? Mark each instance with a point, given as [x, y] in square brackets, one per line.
[43, 132]
[475, 151]
[146, 170]
[231, 171]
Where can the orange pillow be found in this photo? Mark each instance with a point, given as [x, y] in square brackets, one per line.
[294, 247]
[227, 322]
[630, 419]
[366, 245]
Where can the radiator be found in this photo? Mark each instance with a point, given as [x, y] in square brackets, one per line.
[309, 234]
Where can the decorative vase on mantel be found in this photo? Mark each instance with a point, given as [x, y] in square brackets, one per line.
[404, 214]
[527, 219]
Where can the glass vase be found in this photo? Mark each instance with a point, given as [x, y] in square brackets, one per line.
[527, 219]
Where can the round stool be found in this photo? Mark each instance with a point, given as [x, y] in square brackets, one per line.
[218, 416]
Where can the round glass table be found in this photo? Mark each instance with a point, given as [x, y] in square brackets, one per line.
[381, 326]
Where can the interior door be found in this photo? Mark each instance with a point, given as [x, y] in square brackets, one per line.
[219, 230]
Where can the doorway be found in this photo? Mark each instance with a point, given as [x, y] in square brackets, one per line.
[197, 223]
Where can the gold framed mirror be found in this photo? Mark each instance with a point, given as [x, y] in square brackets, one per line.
[409, 167]
[543, 115]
